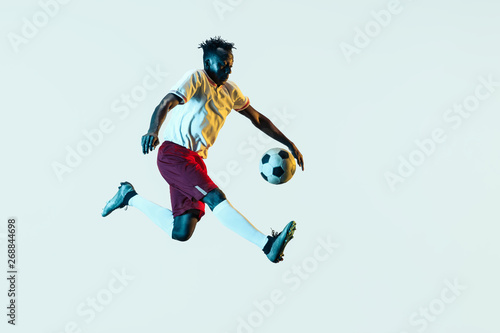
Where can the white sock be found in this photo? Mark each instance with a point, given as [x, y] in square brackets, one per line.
[162, 217]
[232, 219]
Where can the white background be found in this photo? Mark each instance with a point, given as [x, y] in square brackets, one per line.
[353, 118]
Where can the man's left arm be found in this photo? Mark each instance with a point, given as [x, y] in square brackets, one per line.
[265, 125]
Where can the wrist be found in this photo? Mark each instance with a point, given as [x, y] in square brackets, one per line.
[154, 133]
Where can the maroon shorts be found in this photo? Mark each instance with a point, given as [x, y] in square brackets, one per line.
[186, 173]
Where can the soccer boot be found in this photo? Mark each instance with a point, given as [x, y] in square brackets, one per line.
[121, 198]
[277, 242]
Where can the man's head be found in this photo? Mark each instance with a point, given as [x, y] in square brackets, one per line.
[217, 59]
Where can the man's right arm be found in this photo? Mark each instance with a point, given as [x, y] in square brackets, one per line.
[150, 139]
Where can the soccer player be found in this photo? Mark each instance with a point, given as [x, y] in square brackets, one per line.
[203, 99]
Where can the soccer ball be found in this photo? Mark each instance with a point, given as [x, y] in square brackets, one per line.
[277, 166]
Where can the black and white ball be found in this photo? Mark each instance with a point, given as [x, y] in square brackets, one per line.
[277, 166]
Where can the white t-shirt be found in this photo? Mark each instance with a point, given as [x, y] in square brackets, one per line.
[198, 118]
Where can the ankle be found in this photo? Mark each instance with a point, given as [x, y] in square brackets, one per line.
[129, 196]
[269, 245]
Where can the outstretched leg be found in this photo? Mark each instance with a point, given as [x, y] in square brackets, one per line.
[161, 216]
[233, 219]
[273, 246]
[127, 196]
[180, 228]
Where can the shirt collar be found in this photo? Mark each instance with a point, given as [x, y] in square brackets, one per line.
[210, 80]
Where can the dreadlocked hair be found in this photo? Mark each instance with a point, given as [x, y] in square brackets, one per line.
[212, 44]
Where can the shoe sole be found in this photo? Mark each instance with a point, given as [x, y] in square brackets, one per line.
[288, 237]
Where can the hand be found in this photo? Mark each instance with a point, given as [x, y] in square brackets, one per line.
[149, 142]
[298, 156]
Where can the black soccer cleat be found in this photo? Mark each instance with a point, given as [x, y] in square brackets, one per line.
[277, 241]
[121, 198]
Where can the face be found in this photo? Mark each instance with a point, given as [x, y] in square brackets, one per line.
[218, 66]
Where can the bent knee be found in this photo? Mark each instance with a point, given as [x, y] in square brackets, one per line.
[181, 235]
[184, 225]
